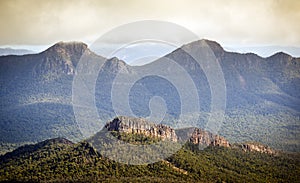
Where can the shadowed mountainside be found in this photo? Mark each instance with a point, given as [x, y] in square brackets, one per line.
[262, 94]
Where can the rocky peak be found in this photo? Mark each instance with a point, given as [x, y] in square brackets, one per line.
[280, 59]
[114, 65]
[62, 57]
[214, 46]
[68, 48]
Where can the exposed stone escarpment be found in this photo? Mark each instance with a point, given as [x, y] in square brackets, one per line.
[196, 136]
[203, 137]
[250, 147]
[141, 126]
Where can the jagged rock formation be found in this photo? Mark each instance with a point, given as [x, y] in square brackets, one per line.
[203, 137]
[250, 147]
[142, 126]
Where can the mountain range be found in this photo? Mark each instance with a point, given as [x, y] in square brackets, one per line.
[265, 51]
[11, 51]
[262, 94]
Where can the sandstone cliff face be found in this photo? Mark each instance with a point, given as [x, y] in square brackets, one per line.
[250, 147]
[200, 136]
[142, 126]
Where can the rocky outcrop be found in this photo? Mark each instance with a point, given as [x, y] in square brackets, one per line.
[250, 147]
[142, 126]
[203, 137]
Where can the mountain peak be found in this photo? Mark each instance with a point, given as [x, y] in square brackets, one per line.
[214, 46]
[63, 56]
[70, 43]
[280, 55]
[71, 47]
[114, 65]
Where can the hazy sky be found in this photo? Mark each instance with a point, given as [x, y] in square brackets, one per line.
[231, 22]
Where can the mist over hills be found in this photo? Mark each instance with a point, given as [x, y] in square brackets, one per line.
[12, 51]
[262, 94]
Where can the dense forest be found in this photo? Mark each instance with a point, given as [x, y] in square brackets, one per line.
[60, 160]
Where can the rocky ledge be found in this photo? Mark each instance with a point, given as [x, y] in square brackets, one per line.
[254, 146]
[142, 126]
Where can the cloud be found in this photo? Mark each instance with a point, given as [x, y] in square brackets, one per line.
[229, 22]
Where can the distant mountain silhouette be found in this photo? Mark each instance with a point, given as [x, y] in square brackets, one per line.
[265, 51]
[11, 51]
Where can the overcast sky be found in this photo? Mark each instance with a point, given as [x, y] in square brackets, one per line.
[230, 22]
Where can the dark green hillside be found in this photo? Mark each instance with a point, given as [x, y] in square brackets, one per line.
[59, 160]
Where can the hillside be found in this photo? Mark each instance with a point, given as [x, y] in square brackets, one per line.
[262, 94]
[59, 160]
